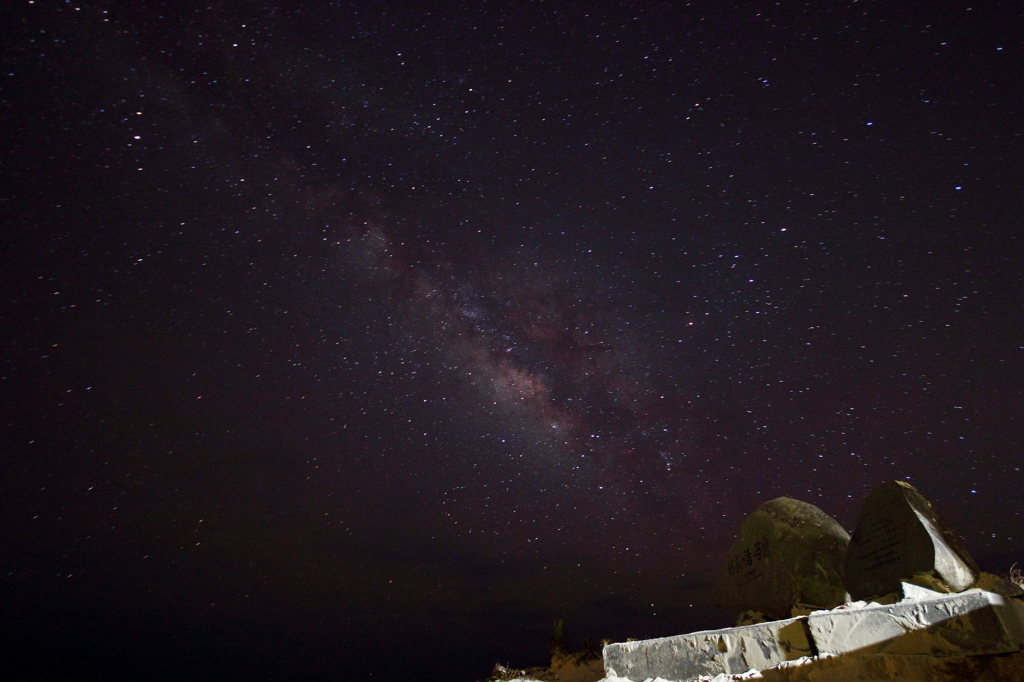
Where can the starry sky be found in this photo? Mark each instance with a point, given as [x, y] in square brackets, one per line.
[372, 337]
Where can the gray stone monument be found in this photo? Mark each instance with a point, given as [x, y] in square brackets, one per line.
[900, 537]
[788, 554]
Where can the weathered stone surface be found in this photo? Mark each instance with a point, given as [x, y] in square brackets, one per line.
[914, 592]
[861, 642]
[967, 624]
[901, 537]
[788, 553]
[687, 657]
[894, 667]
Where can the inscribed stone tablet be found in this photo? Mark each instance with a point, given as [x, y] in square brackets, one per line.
[901, 537]
[788, 553]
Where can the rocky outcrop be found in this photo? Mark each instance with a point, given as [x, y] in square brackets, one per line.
[789, 554]
[901, 537]
[925, 613]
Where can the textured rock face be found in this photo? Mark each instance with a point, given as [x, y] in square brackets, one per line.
[936, 638]
[716, 652]
[896, 667]
[968, 624]
[899, 537]
[788, 553]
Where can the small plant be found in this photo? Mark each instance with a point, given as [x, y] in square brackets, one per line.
[1015, 576]
[500, 673]
[589, 652]
[559, 638]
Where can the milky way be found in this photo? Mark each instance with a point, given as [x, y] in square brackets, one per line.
[555, 351]
[330, 329]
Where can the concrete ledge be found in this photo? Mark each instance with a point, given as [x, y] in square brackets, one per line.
[946, 626]
[966, 624]
[709, 653]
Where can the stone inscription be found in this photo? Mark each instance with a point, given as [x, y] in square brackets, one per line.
[879, 546]
[742, 562]
[786, 552]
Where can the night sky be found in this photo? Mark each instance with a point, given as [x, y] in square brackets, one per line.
[364, 340]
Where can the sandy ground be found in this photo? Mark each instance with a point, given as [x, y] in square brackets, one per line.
[563, 669]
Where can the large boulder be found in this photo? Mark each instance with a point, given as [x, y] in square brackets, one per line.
[788, 559]
[900, 537]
